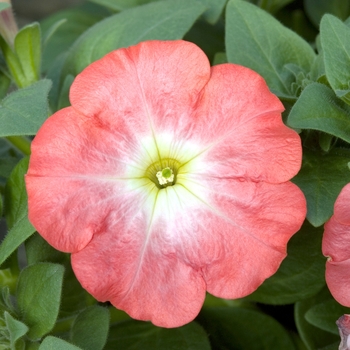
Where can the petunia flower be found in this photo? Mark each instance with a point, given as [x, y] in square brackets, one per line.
[166, 179]
[343, 324]
[336, 247]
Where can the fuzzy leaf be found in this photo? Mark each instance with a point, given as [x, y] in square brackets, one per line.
[129, 335]
[74, 298]
[321, 178]
[22, 230]
[121, 5]
[162, 20]
[313, 337]
[5, 83]
[53, 343]
[62, 28]
[273, 6]
[214, 9]
[90, 328]
[38, 296]
[16, 328]
[335, 38]
[16, 211]
[257, 40]
[15, 194]
[239, 328]
[315, 9]
[301, 274]
[28, 50]
[325, 314]
[318, 108]
[24, 111]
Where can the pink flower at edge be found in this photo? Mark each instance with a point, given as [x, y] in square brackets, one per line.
[167, 178]
[336, 247]
[343, 324]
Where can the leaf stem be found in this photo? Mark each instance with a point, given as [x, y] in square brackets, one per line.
[22, 143]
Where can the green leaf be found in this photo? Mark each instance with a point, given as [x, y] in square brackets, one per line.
[63, 100]
[240, 328]
[6, 165]
[257, 40]
[54, 74]
[67, 25]
[219, 58]
[301, 274]
[325, 314]
[13, 63]
[8, 278]
[117, 315]
[90, 328]
[8, 158]
[22, 230]
[28, 50]
[214, 9]
[121, 5]
[333, 346]
[315, 9]
[211, 301]
[52, 30]
[53, 343]
[33, 346]
[162, 20]
[16, 206]
[273, 6]
[131, 335]
[16, 328]
[24, 111]
[16, 211]
[318, 108]
[210, 38]
[313, 337]
[335, 38]
[38, 297]
[38, 250]
[321, 178]
[6, 300]
[5, 83]
[326, 142]
[74, 298]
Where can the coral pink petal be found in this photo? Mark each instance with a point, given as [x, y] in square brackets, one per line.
[83, 146]
[335, 246]
[338, 280]
[240, 121]
[253, 222]
[83, 176]
[336, 240]
[341, 206]
[166, 260]
[153, 87]
[76, 208]
[132, 271]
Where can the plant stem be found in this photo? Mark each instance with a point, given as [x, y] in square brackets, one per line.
[22, 143]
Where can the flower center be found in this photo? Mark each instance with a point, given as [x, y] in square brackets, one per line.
[163, 173]
[165, 176]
